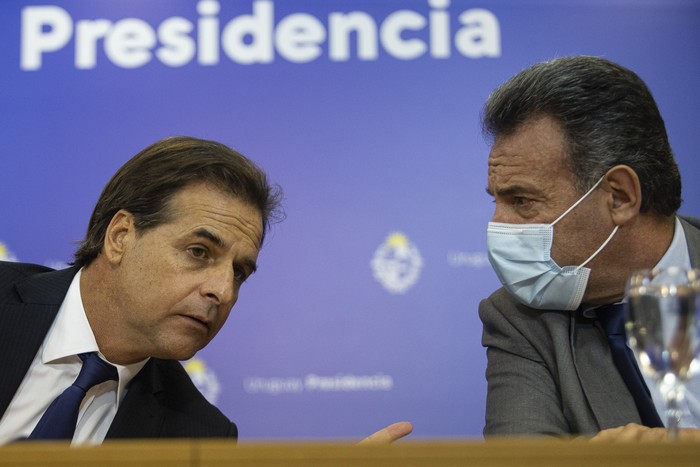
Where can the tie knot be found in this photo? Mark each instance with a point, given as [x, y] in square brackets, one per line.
[94, 371]
[612, 318]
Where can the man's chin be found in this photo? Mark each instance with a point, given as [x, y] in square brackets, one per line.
[184, 352]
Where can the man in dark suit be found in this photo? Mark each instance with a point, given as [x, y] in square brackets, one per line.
[173, 236]
[586, 192]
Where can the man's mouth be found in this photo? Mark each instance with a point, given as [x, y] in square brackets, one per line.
[198, 321]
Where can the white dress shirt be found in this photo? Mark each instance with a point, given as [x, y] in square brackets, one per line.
[55, 367]
[678, 255]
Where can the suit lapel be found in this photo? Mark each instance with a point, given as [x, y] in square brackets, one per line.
[24, 324]
[140, 415]
[598, 376]
[22, 331]
[691, 228]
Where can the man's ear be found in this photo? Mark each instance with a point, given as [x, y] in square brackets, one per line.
[120, 232]
[626, 200]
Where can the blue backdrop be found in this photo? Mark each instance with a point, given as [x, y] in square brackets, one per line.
[364, 308]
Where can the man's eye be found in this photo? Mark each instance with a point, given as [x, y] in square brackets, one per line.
[239, 274]
[198, 252]
[521, 201]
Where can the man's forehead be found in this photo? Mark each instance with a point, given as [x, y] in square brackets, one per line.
[218, 211]
[530, 157]
[513, 164]
[541, 130]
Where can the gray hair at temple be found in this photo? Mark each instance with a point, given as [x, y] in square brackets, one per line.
[608, 117]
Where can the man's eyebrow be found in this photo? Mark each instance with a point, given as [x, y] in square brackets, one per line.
[511, 190]
[211, 236]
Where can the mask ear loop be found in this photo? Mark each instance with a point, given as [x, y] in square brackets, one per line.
[599, 249]
[580, 200]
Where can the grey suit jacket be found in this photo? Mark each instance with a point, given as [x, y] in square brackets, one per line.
[162, 401]
[551, 372]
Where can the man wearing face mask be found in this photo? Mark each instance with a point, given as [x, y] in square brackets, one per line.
[586, 192]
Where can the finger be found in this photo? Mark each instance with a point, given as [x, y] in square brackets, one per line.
[629, 432]
[653, 434]
[607, 435]
[389, 434]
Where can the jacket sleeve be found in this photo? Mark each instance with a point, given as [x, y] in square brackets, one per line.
[523, 394]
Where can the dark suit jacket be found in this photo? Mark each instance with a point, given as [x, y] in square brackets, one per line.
[161, 401]
[551, 372]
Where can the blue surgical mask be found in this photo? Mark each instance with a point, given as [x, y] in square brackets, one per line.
[521, 256]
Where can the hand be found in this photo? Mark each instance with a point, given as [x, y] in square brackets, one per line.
[389, 434]
[633, 432]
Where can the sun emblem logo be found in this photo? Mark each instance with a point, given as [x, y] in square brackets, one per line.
[6, 254]
[397, 263]
[203, 378]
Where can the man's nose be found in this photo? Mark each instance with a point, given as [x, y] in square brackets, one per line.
[500, 213]
[220, 285]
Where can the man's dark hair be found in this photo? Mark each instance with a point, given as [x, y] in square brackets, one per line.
[608, 117]
[145, 185]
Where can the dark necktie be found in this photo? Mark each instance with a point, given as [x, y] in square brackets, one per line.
[613, 320]
[59, 420]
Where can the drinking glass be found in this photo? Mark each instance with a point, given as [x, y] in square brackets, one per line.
[662, 328]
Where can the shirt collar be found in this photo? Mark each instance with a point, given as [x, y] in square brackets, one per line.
[676, 255]
[71, 334]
